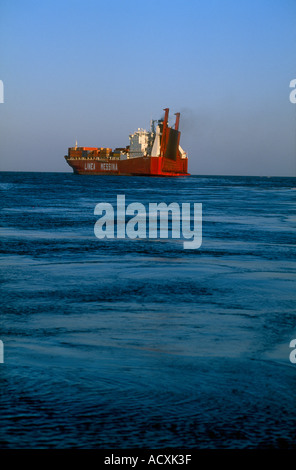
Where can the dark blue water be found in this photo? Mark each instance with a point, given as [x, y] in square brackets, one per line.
[140, 343]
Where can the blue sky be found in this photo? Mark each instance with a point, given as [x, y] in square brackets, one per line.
[95, 71]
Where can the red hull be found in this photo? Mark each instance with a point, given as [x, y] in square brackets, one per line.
[142, 166]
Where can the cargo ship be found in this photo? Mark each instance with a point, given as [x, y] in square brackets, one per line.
[150, 153]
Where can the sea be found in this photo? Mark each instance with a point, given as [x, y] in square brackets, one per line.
[140, 343]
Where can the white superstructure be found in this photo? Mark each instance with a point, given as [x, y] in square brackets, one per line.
[142, 141]
[139, 142]
[155, 152]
